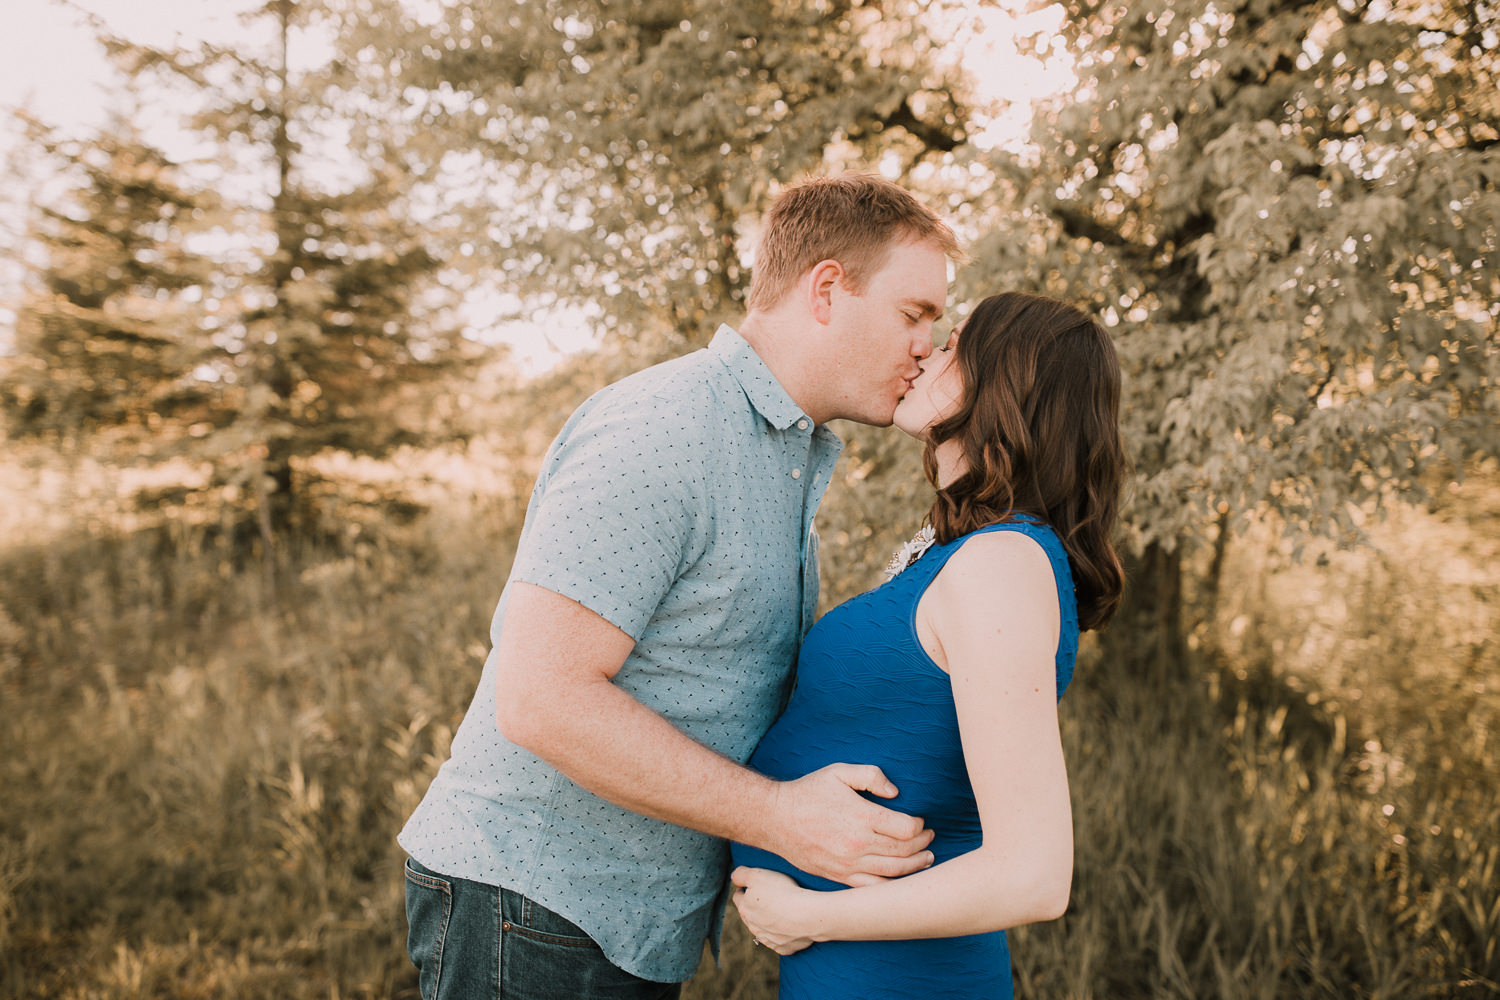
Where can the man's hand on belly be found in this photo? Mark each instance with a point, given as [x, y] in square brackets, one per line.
[821, 824]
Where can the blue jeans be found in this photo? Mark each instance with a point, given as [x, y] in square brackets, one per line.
[471, 941]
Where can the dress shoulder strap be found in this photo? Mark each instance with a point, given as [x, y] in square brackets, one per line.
[925, 570]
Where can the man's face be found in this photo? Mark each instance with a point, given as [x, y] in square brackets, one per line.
[879, 336]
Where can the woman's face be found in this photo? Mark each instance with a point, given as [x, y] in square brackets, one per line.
[934, 395]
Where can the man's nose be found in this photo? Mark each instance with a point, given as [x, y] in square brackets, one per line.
[921, 343]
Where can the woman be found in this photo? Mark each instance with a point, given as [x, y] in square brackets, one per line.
[947, 676]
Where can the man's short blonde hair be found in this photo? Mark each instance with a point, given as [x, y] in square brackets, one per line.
[854, 219]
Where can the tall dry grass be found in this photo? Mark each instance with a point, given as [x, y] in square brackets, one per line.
[204, 765]
[204, 768]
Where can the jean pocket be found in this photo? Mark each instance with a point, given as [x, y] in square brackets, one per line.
[429, 909]
[534, 921]
[545, 956]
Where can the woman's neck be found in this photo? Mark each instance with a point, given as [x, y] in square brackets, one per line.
[950, 462]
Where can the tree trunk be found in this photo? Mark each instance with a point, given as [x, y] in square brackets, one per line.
[1146, 636]
[1208, 591]
[279, 506]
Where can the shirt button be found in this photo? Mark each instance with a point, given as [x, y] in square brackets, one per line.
[796, 473]
[802, 425]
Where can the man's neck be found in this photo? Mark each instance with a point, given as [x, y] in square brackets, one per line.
[782, 345]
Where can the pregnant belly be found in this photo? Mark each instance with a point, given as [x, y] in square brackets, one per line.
[973, 967]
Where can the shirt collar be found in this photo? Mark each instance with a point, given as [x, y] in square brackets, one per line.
[764, 392]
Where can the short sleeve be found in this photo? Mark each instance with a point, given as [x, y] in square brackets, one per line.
[618, 510]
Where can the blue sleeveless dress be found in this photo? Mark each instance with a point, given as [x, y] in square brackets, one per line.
[867, 693]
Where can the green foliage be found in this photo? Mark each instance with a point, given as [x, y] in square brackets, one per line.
[328, 345]
[306, 314]
[109, 332]
[1290, 209]
[204, 775]
[631, 144]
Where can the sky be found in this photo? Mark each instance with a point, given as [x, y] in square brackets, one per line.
[50, 62]
[51, 65]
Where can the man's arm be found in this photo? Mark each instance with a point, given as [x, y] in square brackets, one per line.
[555, 696]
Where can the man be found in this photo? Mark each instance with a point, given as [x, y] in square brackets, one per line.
[573, 844]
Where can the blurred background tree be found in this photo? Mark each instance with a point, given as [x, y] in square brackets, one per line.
[319, 320]
[619, 153]
[1288, 211]
[108, 332]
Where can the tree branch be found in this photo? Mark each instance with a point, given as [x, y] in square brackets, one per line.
[934, 137]
[1080, 224]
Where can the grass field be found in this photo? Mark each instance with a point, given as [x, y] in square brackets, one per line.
[206, 756]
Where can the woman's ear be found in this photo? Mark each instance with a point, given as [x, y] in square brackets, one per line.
[825, 278]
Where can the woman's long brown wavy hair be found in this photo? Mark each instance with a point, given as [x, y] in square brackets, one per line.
[1039, 425]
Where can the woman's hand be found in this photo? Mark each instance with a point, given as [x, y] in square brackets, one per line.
[774, 908]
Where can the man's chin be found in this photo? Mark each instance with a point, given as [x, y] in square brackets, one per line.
[883, 417]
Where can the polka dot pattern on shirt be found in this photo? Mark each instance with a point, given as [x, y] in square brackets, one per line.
[677, 504]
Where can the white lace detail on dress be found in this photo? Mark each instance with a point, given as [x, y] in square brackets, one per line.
[911, 551]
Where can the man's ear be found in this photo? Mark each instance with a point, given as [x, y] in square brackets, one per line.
[823, 280]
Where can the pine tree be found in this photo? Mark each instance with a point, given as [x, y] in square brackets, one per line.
[331, 339]
[109, 330]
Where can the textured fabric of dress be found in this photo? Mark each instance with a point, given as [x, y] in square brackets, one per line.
[867, 693]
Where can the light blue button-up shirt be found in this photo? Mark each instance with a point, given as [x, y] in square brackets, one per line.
[678, 505]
